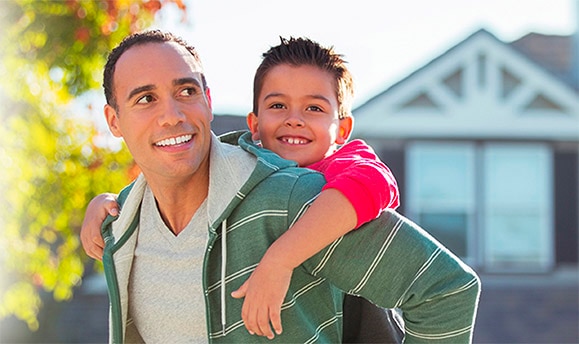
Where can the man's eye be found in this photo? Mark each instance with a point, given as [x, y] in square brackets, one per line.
[189, 91]
[145, 99]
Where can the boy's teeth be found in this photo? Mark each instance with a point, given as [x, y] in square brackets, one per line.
[174, 140]
[295, 141]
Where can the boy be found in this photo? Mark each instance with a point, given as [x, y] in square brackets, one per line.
[302, 111]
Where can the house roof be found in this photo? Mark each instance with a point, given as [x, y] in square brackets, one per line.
[552, 53]
[482, 87]
[557, 54]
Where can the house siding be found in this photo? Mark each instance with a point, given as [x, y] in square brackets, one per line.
[566, 200]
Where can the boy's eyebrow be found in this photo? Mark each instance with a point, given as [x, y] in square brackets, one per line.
[320, 97]
[271, 95]
[314, 96]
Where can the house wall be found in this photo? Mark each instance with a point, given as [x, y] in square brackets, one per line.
[522, 307]
[565, 190]
[566, 204]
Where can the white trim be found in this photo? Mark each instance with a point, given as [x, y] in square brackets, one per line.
[482, 112]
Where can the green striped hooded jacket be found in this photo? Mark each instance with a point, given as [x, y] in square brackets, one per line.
[389, 261]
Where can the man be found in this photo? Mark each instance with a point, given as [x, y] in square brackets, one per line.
[203, 213]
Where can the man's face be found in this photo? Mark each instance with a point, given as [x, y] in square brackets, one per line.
[298, 114]
[163, 113]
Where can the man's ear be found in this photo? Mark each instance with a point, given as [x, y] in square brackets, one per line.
[113, 121]
[209, 102]
[208, 96]
[344, 130]
[252, 124]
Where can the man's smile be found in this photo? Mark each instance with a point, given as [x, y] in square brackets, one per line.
[173, 141]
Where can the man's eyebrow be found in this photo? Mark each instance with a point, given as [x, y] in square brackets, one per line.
[185, 81]
[178, 82]
[140, 89]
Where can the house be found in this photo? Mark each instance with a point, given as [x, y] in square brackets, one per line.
[484, 141]
[223, 123]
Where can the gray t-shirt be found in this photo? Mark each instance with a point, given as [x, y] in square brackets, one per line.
[166, 299]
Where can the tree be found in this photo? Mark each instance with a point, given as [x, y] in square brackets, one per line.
[52, 52]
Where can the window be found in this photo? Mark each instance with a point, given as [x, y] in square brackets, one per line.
[489, 204]
[517, 207]
[441, 195]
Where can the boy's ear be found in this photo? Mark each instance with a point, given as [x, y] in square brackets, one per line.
[252, 124]
[113, 120]
[344, 130]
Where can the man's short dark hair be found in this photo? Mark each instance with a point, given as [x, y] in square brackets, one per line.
[140, 38]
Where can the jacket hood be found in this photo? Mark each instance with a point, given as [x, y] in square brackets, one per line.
[267, 162]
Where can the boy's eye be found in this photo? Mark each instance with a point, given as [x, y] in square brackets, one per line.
[277, 106]
[314, 108]
[145, 99]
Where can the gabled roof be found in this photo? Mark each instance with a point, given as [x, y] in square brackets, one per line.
[557, 54]
[481, 87]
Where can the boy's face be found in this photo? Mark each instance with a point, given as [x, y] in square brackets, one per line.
[298, 114]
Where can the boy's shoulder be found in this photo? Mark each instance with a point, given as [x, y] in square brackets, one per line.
[271, 170]
[355, 145]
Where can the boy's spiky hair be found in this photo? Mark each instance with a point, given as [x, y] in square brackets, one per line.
[303, 51]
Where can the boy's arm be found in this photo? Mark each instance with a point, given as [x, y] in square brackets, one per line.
[90, 232]
[359, 187]
[396, 264]
[329, 217]
[359, 174]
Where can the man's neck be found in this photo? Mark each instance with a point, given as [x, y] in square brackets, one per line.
[178, 201]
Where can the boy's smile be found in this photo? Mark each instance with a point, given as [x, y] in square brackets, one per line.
[294, 140]
[298, 114]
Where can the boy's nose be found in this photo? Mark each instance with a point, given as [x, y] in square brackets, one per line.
[294, 119]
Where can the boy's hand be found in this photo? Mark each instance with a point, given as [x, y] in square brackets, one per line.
[264, 292]
[96, 212]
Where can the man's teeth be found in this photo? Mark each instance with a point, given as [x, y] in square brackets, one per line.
[174, 140]
[295, 141]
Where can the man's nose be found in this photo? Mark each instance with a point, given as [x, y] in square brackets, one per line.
[171, 114]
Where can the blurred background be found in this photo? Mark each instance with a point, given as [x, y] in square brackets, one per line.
[474, 105]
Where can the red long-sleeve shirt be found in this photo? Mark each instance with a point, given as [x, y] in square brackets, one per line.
[356, 171]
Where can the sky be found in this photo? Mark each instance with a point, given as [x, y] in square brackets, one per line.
[382, 40]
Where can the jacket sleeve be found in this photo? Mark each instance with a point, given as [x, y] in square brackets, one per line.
[357, 172]
[395, 264]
